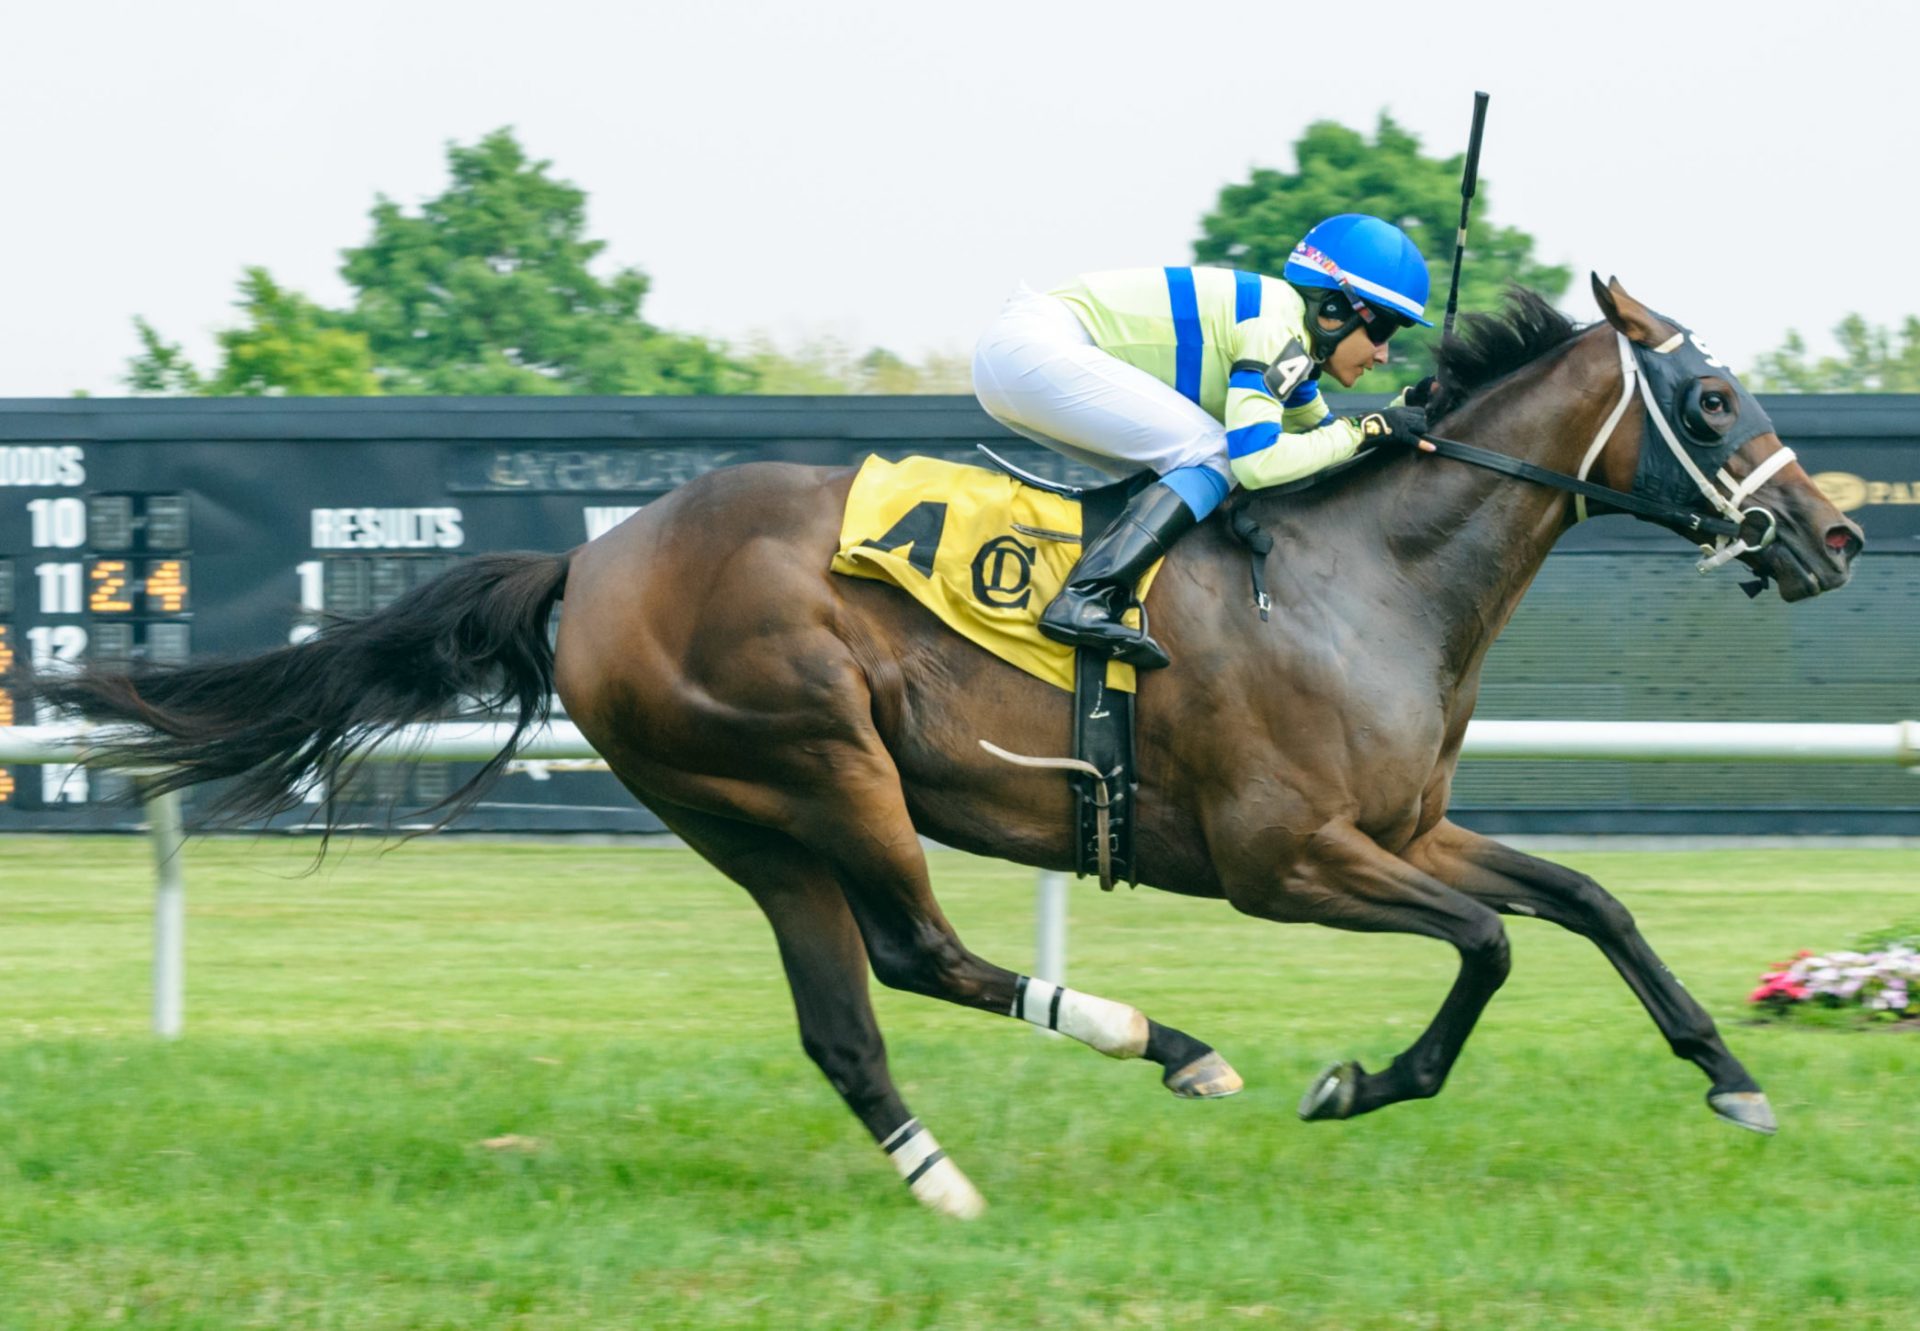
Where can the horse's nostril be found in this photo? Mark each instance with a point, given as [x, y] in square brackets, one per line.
[1844, 542]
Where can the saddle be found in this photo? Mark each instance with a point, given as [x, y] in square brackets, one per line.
[985, 551]
[1106, 784]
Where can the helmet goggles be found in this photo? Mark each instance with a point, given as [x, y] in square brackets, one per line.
[1342, 302]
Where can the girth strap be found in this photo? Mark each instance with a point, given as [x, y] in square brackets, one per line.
[1259, 544]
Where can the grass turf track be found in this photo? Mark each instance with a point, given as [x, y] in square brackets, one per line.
[308, 1156]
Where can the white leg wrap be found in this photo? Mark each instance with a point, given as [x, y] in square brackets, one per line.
[1115, 1029]
[932, 1178]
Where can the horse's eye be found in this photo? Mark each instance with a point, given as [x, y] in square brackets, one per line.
[1707, 412]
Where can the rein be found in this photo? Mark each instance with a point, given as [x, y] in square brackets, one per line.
[1685, 521]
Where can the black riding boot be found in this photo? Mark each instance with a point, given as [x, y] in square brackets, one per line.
[1100, 588]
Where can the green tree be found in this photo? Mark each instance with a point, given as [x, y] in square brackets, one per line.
[826, 365]
[1255, 225]
[1872, 359]
[162, 368]
[289, 345]
[489, 289]
[881, 371]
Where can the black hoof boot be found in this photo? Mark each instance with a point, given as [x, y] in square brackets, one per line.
[1100, 588]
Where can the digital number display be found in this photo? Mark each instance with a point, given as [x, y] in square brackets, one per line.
[126, 522]
[359, 584]
[94, 576]
[167, 522]
[137, 587]
[123, 642]
[166, 584]
[110, 522]
[112, 643]
[6, 708]
[168, 644]
[107, 589]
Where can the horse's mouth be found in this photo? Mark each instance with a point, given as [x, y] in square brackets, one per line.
[1800, 578]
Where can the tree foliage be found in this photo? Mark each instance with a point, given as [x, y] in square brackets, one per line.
[290, 345]
[1255, 225]
[489, 288]
[1872, 359]
[162, 368]
[826, 365]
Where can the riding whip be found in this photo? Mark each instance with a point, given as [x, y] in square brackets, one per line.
[1467, 182]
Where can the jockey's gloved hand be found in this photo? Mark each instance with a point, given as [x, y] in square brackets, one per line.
[1416, 395]
[1400, 426]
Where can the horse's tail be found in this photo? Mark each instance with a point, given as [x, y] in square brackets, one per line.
[276, 723]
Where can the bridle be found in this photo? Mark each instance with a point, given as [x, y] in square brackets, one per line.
[1738, 530]
[1725, 548]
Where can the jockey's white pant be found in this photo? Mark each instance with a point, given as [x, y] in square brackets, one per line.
[1037, 371]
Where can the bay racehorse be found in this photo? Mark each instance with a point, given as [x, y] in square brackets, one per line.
[803, 731]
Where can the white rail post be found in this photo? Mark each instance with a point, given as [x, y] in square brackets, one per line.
[1050, 929]
[169, 913]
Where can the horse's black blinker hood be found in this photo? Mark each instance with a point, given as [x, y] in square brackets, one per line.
[1673, 372]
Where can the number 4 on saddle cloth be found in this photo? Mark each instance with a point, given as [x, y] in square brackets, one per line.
[986, 554]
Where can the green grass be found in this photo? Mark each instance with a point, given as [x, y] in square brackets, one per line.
[309, 1155]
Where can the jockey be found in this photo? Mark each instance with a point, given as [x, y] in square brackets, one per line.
[1205, 376]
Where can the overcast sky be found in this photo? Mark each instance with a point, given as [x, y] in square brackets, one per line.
[885, 172]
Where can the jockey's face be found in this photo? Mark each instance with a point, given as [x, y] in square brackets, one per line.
[1354, 356]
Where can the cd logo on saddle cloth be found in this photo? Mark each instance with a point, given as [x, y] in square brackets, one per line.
[1003, 573]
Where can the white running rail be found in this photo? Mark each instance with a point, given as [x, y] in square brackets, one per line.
[474, 741]
[1583, 741]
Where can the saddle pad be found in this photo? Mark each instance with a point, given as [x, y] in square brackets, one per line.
[980, 550]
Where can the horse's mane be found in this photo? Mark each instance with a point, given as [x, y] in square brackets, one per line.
[1486, 347]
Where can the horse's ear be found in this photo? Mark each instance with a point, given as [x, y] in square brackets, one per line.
[1639, 323]
[1605, 299]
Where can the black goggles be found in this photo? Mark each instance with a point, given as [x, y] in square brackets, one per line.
[1350, 310]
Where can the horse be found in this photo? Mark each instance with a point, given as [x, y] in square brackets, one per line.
[803, 731]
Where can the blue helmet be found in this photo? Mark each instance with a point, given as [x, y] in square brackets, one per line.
[1368, 259]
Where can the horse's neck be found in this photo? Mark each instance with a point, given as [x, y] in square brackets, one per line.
[1466, 542]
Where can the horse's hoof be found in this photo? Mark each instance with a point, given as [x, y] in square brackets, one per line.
[1744, 1109]
[1331, 1095]
[1208, 1077]
[945, 1189]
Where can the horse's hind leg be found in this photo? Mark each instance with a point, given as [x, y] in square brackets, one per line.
[826, 966]
[1519, 884]
[859, 824]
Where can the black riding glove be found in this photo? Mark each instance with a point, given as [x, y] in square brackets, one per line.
[1401, 426]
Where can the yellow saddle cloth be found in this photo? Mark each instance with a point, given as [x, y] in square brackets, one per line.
[979, 549]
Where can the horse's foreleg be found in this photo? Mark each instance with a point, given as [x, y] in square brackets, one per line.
[1342, 879]
[860, 826]
[1519, 884]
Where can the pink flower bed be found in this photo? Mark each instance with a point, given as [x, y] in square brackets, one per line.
[1885, 982]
